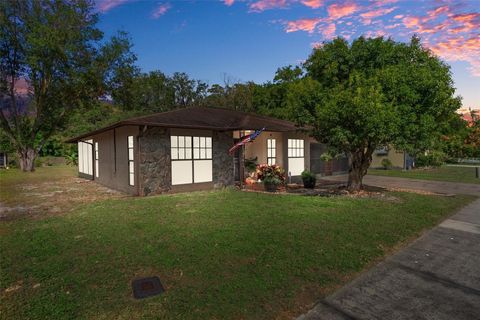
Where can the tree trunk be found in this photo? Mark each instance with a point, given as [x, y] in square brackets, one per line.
[359, 164]
[26, 158]
[355, 180]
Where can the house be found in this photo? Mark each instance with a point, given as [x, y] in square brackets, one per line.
[399, 159]
[187, 149]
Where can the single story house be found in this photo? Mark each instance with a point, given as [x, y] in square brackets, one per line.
[187, 149]
[399, 159]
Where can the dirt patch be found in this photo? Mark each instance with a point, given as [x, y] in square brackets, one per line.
[429, 193]
[53, 197]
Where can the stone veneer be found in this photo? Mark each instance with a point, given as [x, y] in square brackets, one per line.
[155, 164]
[222, 161]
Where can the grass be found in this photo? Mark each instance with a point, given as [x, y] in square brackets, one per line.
[221, 255]
[444, 173]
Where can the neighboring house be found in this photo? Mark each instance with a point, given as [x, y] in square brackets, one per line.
[399, 159]
[187, 149]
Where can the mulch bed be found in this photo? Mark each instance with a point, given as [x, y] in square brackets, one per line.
[324, 188]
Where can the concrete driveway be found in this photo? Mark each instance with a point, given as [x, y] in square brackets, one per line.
[436, 277]
[414, 184]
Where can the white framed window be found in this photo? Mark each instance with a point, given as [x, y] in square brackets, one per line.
[202, 148]
[131, 161]
[295, 148]
[85, 157]
[271, 151]
[191, 159]
[96, 160]
[296, 154]
[181, 147]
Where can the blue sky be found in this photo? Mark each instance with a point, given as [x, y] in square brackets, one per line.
[248, 40]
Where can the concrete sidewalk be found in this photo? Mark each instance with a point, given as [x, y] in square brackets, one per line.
[436, 277]
[415, 184]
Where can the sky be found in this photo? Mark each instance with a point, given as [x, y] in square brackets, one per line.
[243, 40]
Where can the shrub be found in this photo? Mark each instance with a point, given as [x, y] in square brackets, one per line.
[386, 163]
[270, 174]
[431, 159]
[71, 159]
[309, 179]
[251, 164]
[38, 162]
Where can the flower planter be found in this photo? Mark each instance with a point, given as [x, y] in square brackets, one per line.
[309, 183]
[271, 187]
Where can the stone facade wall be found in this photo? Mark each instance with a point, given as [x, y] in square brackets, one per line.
[222, 161]
[154, 161]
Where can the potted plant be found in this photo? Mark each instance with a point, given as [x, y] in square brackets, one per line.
[271, 175]
[309, 179]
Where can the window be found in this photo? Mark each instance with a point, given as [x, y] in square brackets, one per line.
[85, 157]
[181, 147]
[202, 148]
[191, 159]
[382, 151]
[296, 160]
[96, 160]
[131, 163]
[295, 148]
[271, 151]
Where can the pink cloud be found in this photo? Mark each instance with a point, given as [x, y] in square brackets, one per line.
[337, 11]
[307, 25]
[438, 11]
[369, 15]
[467, 17]
[329, 31]
[411, 22]
[314, 4]
[228, 2]
[399, 16]
[161, 10]
[107, 5]
[393, 26]
[262, 5]
[460, 49]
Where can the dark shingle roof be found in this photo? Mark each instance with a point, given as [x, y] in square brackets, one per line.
[203, 118]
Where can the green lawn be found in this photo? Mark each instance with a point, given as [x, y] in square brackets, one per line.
[221, 255]
[444, 173]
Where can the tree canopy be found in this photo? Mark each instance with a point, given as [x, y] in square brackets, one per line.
[56, 49]
[374, 93]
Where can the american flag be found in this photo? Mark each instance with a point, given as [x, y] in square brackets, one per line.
[245, 140]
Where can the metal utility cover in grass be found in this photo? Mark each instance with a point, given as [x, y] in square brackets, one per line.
[146, 287]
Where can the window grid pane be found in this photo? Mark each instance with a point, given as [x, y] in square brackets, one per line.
[271, 152]
[296, 148]
[187, 147]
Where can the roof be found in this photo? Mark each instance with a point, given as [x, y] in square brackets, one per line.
[203, 118]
